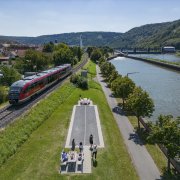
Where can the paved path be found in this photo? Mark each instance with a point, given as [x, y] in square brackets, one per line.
[142, 160]
[87, 160]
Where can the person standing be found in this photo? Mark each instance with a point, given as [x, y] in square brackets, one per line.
[73, 145]
[91, 140]
[94, 154]
[80, 147]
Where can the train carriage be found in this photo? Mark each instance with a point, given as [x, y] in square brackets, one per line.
[22, 90]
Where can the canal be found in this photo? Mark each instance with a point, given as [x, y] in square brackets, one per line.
[163, 85]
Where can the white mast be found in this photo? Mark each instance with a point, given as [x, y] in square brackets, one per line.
[81, 44]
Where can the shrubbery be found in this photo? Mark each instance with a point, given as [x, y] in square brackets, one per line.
[3, 94]
[80, 81]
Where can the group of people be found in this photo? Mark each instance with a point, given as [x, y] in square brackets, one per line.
[74, 145]
[93, 147]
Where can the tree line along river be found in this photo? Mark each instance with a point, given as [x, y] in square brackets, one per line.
[163, 85]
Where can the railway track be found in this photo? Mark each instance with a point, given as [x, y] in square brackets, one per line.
[11, 112]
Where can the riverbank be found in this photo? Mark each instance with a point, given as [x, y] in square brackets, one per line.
[161, 63]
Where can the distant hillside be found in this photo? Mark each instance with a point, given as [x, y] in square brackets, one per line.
[89, 38]
[150, 35]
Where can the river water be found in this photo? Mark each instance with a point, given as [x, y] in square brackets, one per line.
[162, 84]
[165, 57]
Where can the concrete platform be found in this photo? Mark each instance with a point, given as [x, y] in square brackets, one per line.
[84, 122]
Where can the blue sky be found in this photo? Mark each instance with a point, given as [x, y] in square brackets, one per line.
[39, 17]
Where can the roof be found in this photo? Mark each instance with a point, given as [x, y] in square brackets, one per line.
[13, 53]
[19, 83]
[30, 79]
[21, 52]
[169, 47]
[4, 58]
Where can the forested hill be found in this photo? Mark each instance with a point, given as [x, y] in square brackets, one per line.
[150, 35]
[89, 38]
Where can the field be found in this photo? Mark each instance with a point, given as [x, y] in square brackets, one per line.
[38, 157]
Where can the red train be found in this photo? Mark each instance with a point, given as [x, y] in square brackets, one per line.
[22, 90]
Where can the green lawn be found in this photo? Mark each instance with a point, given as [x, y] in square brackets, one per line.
[38, 157]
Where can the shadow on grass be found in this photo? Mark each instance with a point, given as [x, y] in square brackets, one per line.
[94, 162]
[170, 175]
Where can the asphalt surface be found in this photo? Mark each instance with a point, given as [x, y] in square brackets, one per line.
[143, 162]
[84, 125]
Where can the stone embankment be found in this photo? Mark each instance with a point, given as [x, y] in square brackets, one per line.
[159, 63]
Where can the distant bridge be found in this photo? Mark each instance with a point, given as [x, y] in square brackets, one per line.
[138, 52]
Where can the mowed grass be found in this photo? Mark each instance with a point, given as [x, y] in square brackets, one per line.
[38, 157]
[157, 155]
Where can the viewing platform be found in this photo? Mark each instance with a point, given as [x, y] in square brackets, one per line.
[84, 122]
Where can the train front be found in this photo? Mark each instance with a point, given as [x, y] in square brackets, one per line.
[15, 92]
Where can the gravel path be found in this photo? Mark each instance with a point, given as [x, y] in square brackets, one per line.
[143, 162]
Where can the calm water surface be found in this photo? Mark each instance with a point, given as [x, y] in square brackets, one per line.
[165, 57]
[163, 85]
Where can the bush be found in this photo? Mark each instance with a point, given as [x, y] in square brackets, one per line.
[80, 81]
[83, 83]
[3, 94]
[74, 78]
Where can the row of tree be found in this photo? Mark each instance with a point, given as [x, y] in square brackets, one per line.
[52, 55]
[166, 131]
[97, 53]
[137, 100]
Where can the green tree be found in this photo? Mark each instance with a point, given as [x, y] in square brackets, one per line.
[10, 75]
[104, 66]
[63, 55]
[122, 87]
[113, 76]
[61, 46]
[106, 51]
[96, 55]
[101, 60]
[107, 69]
[140, 104]
[90, 50]
[77, 52]
[3, 94]
[166, 132]
[35, 60]
[20, 65]
[49, 47]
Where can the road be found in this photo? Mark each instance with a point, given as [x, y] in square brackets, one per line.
[143, 162]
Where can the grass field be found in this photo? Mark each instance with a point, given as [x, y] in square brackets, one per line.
[38, 157]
